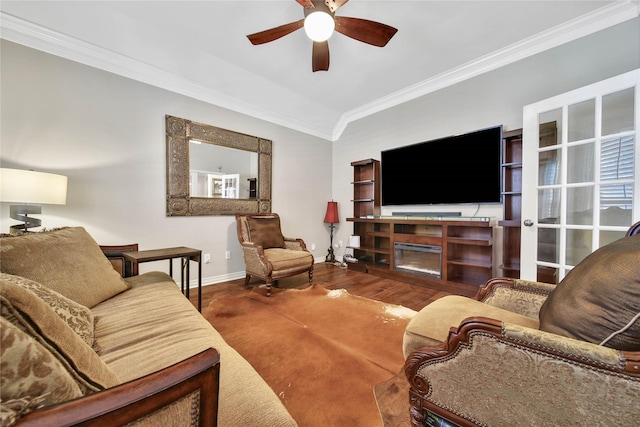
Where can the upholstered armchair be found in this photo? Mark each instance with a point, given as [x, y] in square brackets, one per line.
[533, 354]
[267, 253]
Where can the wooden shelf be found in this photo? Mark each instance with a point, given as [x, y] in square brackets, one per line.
[366, 187]
[463, 241]
[512, 204]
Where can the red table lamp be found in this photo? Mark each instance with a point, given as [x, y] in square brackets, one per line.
[331, 218]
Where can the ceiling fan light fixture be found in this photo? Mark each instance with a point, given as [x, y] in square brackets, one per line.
[319, 26]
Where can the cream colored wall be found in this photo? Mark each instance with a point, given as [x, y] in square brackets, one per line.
[106, 133]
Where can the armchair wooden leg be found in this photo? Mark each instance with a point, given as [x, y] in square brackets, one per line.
[269, 289]
[246, 279]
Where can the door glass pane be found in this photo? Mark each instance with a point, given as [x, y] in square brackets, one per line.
[549, 206]
[616, 158]
[547, 275]
[580, 205]
[550, 128]
[618, 112]
[616, 204]
[582, 120]
[580, 163]
[549, 163]
[607, 237]
[547, 241]
[578, 245]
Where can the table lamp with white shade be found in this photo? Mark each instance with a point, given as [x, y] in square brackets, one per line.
[28, 190]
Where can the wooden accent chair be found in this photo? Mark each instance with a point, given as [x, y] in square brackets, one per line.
[267, 253]
[531, 353]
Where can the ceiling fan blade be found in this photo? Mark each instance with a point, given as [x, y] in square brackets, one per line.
[320, 59]
[305, 3]
[335, 4]
[366, 31]
[275, 33]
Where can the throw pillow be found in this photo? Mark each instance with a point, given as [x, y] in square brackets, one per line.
[265, 231]
[34, 317]
[77, 316]
[30, 372]
[67, 260]
[13, 409]
[599, 297]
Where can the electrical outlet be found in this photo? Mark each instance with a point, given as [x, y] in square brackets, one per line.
[207, 258]
[313, 246]
[339, 243]
[227, 254]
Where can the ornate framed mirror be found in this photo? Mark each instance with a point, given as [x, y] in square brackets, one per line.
[214, 171]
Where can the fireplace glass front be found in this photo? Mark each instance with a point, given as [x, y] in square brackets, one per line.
[412, 258]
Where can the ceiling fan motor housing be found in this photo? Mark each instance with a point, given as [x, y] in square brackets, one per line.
[319, 6]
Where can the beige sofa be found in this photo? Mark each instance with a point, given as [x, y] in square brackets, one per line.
[82, 343]
[533, 354]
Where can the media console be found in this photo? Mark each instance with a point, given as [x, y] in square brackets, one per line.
[454, 254]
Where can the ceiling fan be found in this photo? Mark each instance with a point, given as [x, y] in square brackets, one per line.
[321, 15]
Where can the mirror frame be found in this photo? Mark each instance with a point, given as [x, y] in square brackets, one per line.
[179, 201]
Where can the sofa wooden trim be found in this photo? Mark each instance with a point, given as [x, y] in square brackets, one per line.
[138, 398]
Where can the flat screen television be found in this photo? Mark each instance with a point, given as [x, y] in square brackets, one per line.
[452, 170]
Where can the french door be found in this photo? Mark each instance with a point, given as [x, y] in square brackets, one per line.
[580, 185]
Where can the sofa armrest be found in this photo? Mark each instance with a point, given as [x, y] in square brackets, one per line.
[491, 373]
[188, 389]
[516, 295]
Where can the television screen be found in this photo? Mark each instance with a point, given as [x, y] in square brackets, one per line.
[453, 170]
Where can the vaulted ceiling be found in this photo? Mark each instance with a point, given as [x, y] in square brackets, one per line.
[200, 49]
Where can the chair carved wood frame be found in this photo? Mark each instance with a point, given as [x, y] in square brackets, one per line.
[269, 255]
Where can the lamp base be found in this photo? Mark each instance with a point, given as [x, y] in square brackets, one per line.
[21, 213]
[330, 256]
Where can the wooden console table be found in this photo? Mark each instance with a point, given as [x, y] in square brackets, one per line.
[183, 253]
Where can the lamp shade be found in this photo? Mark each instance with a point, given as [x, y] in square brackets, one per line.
[23, 186]
[331, 216]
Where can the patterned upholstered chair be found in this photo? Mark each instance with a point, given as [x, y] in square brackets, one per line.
[533, 354]
[267, 253]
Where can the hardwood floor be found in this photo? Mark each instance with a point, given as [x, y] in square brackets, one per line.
[414, 296]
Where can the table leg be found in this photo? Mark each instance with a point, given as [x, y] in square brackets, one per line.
[199, 284]
[188, 267]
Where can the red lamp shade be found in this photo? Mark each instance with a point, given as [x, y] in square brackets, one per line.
[331, 216]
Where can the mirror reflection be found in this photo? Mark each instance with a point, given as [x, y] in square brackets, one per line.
[222, 172]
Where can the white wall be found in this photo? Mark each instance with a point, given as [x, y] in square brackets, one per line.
[106, 133]
[494, 98]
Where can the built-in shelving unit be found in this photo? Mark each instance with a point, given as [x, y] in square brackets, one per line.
[366, 187]
[466, 247]
[512, 202]
[461, 248]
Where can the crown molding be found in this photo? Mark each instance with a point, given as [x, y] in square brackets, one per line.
[582, 26]
[34, 36]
